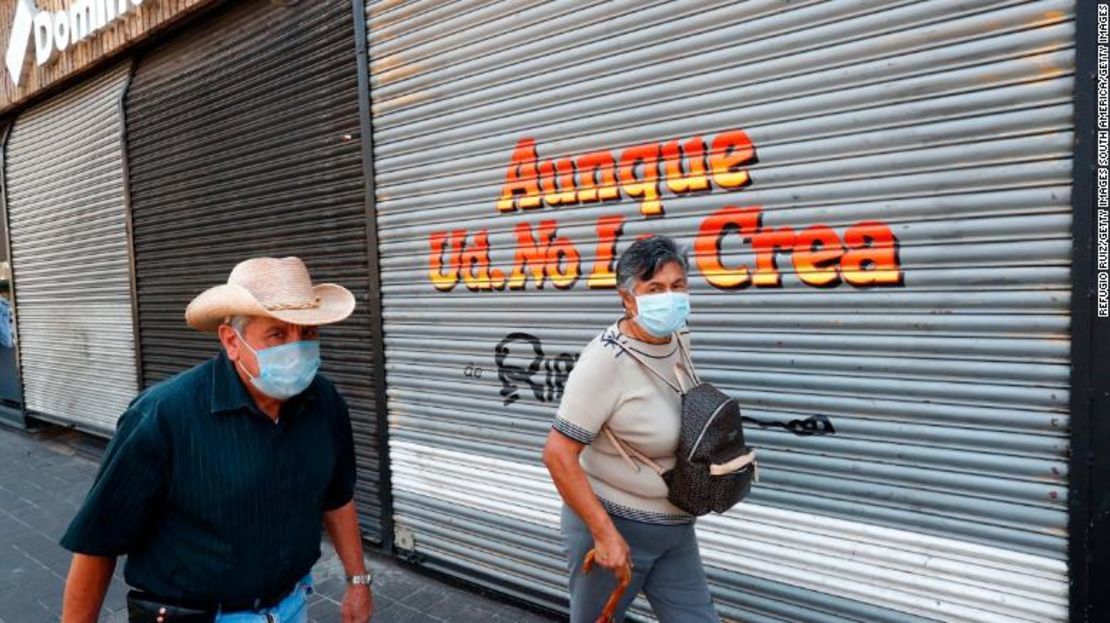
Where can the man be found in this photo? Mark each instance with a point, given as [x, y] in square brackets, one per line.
[217, 480]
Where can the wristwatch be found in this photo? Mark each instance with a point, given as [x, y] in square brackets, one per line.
[365, 578]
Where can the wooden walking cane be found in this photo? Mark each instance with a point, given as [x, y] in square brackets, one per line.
[624, 578]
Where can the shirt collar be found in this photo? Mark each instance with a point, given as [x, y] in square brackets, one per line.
[228, 393]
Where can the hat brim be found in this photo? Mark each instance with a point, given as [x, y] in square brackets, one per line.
[208, 310]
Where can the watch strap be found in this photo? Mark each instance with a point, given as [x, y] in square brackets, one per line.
[363, 578]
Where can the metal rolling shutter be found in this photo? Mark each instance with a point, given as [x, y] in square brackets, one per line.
[243, 141]
[70, 260]
[942, 493]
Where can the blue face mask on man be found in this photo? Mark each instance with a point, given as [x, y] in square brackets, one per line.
[662, 314]
[284, 371]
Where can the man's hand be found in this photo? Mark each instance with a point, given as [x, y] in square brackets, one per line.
[342, 526]
[358, 604]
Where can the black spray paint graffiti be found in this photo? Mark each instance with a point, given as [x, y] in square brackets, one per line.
[555, 371]
[545, 376]
[812, 425]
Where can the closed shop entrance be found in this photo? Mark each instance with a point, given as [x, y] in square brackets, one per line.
[67, 219]
[876, 197]
[243, 137]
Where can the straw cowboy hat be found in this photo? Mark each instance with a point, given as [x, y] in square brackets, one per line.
[267, 286]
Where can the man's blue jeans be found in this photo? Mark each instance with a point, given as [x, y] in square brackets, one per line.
[292, 609]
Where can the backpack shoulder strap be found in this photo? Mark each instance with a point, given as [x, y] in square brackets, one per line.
[628, 453]
[688, 361]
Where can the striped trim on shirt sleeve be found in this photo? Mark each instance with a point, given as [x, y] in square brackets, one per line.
[573, 431]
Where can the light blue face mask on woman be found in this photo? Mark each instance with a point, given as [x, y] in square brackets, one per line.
[286, 370]
[662, 314]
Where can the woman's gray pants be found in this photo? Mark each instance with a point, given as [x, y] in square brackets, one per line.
[666, 566]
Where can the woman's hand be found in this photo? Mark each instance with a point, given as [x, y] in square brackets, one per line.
[612, 551]
[561, 457]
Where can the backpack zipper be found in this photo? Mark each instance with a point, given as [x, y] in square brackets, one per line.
[705, 428]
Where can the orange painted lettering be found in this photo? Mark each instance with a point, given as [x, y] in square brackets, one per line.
[597, 179]
[445, 281]
[557, 182]
[475, 262]
[645, 186]
[707, 246]
[531, 254]
[562, 263]
[603, 275]
[817, 254]
[521, 179]
[767, 243]
[730, 150]
[690, 178]
[872, 256]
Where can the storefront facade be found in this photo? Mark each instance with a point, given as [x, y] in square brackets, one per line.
[878, 202]
[222, 131]
[888, 210]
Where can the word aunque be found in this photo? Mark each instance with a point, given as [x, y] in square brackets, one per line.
[599, 176]
[865, 254]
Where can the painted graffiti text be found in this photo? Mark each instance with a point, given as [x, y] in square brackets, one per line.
[810, 426]
[864, 255]
[639, 172]
[733, 246]
[544, 376]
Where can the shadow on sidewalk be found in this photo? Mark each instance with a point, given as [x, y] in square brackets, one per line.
[44, 477]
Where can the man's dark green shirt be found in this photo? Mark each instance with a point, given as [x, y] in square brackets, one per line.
[211, 500]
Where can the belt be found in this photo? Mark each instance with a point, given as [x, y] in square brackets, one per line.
[235, 605]
[258, 603]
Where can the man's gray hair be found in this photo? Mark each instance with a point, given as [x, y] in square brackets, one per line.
[644, 258]
[239, 323]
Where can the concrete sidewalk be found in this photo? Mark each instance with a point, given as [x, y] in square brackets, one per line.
[43, 479]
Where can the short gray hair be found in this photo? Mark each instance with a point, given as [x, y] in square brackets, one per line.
[644, 258]
[239, 323]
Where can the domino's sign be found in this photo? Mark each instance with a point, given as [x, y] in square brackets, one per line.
[54, 31]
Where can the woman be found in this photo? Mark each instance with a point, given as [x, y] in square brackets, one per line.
[622, 511]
